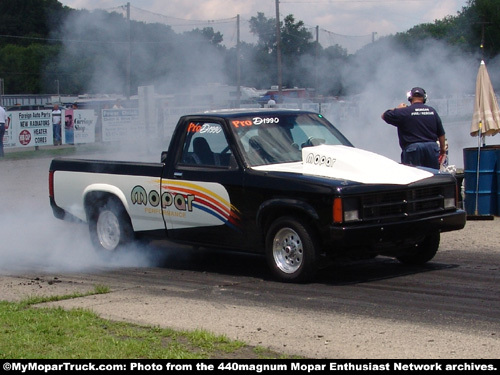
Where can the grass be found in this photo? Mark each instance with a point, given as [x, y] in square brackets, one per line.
[31, 331]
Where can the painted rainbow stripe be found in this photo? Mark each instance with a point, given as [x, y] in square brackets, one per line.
[207, 201]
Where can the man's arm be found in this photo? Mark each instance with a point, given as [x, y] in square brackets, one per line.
[389, 112]
[442, 148]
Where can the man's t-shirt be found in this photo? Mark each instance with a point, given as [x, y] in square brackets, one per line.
[56, 116]
[416, 123]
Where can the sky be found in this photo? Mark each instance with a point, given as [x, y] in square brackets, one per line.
[344, 17]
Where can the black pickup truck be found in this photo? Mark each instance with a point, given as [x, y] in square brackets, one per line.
[282, 183]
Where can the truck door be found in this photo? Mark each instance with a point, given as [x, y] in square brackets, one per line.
[202, 191]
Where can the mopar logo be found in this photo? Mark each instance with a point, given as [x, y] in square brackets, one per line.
[320, 160]
[139, 196]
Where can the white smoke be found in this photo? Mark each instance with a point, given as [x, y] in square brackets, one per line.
[34, 240]
[385, 73]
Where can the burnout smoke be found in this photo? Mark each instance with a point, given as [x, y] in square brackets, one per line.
[373, 79]
[33, 240]
[383, 73]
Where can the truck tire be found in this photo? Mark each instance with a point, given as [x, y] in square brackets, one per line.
[425, 251]
[109, 225]
[291, 250]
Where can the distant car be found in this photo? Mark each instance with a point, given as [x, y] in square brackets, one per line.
[291, 95]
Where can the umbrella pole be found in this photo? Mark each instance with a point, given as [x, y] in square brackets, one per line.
[477, 169]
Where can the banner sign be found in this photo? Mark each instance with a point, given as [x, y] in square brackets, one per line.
[8, 138]
[121, 124]
[30, 128]
[35, 128]
[79, 126]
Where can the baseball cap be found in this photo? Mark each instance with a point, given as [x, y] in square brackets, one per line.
[417, 91]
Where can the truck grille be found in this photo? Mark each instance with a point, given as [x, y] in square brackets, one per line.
[399, 204]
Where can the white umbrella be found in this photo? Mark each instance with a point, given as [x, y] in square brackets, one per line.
[486, 116]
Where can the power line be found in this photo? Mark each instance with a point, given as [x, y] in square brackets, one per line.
[62, 40]
[146, 16]
[345, 36]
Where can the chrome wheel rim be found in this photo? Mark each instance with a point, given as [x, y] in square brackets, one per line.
[108, 230]
[288, 251]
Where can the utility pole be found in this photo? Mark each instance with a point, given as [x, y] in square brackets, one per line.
[238, 61]
[278, 48]
[1, 91]
[316, 57]
[129, 52]
[58, 93]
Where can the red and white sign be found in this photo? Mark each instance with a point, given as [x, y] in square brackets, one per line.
[24, 137]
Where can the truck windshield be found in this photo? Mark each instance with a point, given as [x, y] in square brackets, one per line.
[280, 138]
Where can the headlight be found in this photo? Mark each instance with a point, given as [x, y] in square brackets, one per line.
[345, 210]
[450, 197]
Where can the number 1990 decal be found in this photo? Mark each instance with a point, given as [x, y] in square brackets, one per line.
[268, 120]
[255, 121]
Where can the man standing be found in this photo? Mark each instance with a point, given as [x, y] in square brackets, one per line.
[3, 120]
[419, 129]
[56, 124]
[271, 103]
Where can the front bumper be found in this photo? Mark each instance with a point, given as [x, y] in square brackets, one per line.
[377, 234]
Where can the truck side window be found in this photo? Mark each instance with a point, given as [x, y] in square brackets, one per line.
[206, 145]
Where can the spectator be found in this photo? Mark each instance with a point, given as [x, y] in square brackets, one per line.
[3, 120]
[271, 102]
[419, 129]
[56, 125]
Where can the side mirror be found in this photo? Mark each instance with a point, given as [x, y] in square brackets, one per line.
[163, 156]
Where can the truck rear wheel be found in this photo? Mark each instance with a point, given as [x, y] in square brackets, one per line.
[109, 226]
[424, 251]
[291, 250]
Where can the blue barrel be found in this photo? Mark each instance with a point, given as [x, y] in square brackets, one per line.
[498, 182]
[481, 184]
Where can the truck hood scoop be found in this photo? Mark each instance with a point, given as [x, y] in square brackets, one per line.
[352, 164]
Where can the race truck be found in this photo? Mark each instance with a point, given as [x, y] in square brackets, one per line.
[285, 184]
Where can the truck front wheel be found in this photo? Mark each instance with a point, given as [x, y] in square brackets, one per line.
[291, 250]
[110, 226]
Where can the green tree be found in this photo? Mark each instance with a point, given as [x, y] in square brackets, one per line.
[25, 30]
[265, 30]
[264, 56]
[207, 34]
[25, 19]
[476, 25]
[328, 79]
[484, 15]
[22, 67]
[296, 43]
[298, 54]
